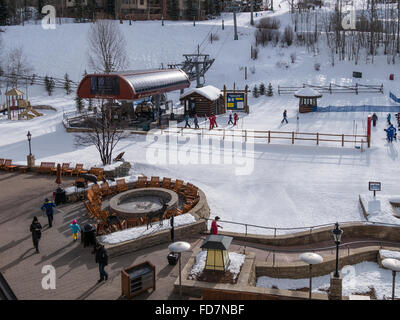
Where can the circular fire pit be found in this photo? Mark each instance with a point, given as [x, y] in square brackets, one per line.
[139, 202]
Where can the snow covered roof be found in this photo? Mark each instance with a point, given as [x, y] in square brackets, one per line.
[307, 93]
[210, 92]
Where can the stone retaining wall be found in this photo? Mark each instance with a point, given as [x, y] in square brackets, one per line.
[354, 230]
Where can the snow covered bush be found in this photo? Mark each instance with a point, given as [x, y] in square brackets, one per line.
[255, 92]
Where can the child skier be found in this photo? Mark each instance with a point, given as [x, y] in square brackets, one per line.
[230, 118]
[196, 122]
[374, 119]
[75, 229]
[389, 117]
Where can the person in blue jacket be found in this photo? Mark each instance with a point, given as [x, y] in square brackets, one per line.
[391, 131]
[187, 121]
[48, 207]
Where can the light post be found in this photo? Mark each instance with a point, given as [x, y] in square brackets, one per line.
[29, 135]
[311, 258]
[394, 265]
[337, 236]
[179, 247]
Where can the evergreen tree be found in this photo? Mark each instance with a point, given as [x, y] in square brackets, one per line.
[270, 91]
[191, 9]
[67, 84]
[262, 89]
[50, 84]
[79, 104]
[255, 92]
[3, 12]
[173, 9]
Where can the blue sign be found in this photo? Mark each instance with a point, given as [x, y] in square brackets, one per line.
[235, 101]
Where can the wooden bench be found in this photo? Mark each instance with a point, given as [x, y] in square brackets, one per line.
[105, 189]
[65, 169]
[121, 185]
[98, 172]
[8, 165]
[154, 182]
[166, 183]
[78, 169]
[178, 186]
[141, 182]
[2, 161]
[46, 167]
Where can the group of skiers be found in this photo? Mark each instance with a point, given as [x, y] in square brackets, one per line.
[391, 130]
[101, 255]
[233, 119]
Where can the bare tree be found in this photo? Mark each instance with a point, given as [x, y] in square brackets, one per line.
[107, 44]
[104, 132]
[17, 65]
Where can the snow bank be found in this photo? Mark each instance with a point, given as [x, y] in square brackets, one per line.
[141, 231]
[389, 254]
[359, 278]
[380, 209]
[236, 262]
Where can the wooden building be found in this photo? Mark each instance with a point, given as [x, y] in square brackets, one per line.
[308, 99]
[203, 101]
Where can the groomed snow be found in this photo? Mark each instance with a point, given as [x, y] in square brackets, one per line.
[356, 279]
[236, 262]
[141, 231]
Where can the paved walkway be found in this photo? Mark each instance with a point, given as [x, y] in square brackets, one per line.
[76, 272]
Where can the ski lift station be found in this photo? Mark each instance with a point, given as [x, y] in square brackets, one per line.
[132, 85]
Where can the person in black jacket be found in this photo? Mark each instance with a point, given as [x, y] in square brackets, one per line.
[102, 260]
[36, 229]
[374, 119]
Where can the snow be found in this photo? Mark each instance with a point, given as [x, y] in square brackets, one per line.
[380, 208]
[236, 262]
[210, 92]
[389, 254]
[358, 278]
[286, 185]
[307, 92]
[142, 231]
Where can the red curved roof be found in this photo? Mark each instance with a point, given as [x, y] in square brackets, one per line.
[132, 85]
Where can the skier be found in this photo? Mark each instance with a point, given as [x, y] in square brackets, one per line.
[212, 121]
[215, 226]
[230, 118]
[391, 131]
[196, 122]
[284, 117]
[374, 119]
[187, 121]
[389, 117]
[48, 207]
[235, 118]
[36, 229]
[75, 229]
[398, 119]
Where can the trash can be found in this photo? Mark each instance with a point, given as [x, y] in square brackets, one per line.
[88, 235]
[60, 196]
[172, 258]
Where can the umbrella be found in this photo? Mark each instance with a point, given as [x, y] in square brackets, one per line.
[58, 180]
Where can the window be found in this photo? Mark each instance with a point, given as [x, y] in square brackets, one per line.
[104, 85]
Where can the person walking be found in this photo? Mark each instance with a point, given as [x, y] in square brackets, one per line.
[102, 260]
[230, 118]
[36, 230]
[187, 121]
[196, 122]
[389, 117]
[374, 119]
[391, 131]
[284, 117]
[48, 208]
[235, 119]
[75, 229]
[215, 225]
[211, 118]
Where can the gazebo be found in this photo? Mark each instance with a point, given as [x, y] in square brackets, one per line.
[12, 97]
[308, 99]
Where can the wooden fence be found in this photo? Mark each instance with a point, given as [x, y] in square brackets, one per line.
[269, 135]
[334, 88]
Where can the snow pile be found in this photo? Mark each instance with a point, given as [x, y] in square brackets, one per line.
[210, 92]
[236, 262]
[359, 278]
[389, 254]
[141, 231]
[380, 208]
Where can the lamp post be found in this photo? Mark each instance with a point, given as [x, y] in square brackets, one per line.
[311, 258]
[394, 265]
[337, 236]
[29, 135]
[179, 247]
